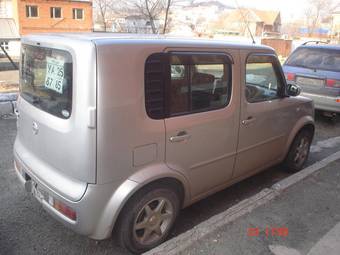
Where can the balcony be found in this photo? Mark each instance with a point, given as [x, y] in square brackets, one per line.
[4, 12]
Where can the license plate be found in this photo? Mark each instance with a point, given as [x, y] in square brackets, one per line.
[310, 82]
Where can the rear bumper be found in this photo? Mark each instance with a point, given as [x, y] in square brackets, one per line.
[325, 103]
[96, 211]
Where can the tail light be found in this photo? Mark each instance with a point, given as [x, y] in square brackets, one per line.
[64, 209]
[290, 76]
[332, 83]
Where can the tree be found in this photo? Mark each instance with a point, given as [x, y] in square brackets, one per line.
[102, 7]
[152, 10]
[166, 16]
[105, 9]
[316, 10]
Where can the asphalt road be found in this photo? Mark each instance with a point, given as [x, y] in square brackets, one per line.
[25, 228]
[312, 227]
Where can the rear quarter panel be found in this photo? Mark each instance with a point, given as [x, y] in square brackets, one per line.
[124, 129]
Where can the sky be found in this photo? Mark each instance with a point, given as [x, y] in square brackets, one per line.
[290, 9]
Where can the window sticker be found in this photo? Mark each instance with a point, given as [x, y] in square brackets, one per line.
[54, 74]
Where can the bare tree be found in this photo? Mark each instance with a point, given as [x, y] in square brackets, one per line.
[102, 7]
[166, 16]
[105, 9]
[152, 10]
[316, 10]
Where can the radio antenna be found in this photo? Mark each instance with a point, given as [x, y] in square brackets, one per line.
[246, 22]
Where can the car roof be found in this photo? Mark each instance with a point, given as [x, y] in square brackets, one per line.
[322, 46]
[107, 38]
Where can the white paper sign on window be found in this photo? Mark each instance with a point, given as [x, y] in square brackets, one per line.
[54, 74]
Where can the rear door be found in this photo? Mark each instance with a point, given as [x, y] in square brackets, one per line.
[202, 127]
[56, 133]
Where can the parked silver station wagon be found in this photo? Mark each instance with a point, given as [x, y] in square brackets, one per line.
[119, 132]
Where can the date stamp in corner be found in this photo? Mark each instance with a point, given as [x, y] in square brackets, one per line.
[268, 231]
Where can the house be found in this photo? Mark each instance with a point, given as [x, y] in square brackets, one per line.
[335, 25]
[21, 17]
[134, 23]
[40, 16]
[9, 36]
[196, 18]
[244, 21]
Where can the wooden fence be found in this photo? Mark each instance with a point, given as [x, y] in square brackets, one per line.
[282, 47]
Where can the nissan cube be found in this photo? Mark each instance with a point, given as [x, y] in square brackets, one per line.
[117, 133]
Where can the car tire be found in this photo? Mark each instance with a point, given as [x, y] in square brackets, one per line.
[147, 218]
[298, 152]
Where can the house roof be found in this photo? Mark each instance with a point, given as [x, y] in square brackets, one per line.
[253, 15]
[8, 29]
[268, 17]
[135, 17]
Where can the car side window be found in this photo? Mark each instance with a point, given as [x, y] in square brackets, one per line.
[263, 81]
[178, 83]
[199, 82]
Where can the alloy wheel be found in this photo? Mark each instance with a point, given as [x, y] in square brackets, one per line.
[153, 221]
[301, 152]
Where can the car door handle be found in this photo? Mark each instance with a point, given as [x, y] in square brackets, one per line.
[248, 120]
[181, 136]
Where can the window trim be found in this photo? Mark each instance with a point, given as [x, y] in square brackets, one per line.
[52, 11]
[167, 81]
[74, 16]
[30, 12]
[278, 71]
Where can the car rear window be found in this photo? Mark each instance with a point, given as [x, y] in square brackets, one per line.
[323, 59]
[46, 79]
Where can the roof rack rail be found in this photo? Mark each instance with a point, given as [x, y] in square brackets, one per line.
[316, 42]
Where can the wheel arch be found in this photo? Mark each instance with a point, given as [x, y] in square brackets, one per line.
[305, 123]
[156, 174]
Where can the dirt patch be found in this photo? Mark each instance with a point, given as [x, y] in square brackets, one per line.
[9, 81]
[8, 87]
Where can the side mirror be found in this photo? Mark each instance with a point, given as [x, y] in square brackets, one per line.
[293, 90]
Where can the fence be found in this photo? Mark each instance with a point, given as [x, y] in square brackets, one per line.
[282, 47]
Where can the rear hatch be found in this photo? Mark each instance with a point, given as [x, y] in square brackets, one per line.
[315, 69]
[56, 138]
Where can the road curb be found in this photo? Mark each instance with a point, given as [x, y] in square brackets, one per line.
[295, 178]
[185, 240]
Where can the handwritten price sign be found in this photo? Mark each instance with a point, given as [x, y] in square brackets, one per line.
[54, 74]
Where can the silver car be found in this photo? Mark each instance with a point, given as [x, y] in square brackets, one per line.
[119, 132]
